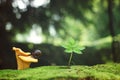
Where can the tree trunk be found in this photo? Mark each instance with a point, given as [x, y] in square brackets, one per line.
[5, 56]
[112, 31]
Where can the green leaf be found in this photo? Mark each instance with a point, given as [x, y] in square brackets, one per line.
[77, 51]
[82, 48]
[66, 45]
[71, 41]
[68, 50]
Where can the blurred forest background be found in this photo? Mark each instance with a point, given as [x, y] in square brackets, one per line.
[46, 24]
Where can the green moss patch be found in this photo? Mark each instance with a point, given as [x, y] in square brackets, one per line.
[97, 72]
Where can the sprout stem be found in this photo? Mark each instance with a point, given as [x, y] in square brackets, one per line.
[70, 59]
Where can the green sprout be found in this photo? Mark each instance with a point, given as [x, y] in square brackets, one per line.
[71, 46]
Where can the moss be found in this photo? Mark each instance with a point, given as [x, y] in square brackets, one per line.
[97, 72]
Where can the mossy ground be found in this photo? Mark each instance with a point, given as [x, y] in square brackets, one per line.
[97, 72]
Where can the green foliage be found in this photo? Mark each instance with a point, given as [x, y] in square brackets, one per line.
[72, 46]
[97, 72]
